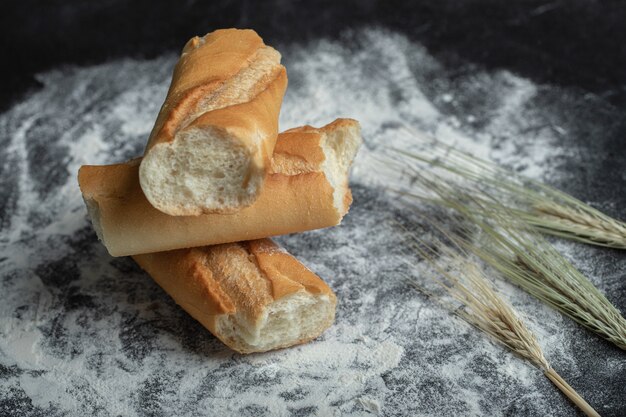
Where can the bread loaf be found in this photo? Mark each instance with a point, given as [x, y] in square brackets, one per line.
[210, 148]
[307, 188]
[253, 296]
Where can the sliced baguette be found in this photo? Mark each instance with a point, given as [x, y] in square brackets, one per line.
[307, 189]
[211, 145]
[253, 296]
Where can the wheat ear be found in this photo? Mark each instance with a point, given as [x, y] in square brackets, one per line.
[548, 209]
[521, 255]
[482, 307]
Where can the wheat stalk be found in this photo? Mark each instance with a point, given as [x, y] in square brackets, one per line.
[564, 221]
[482, 307]
[522, 256]
[547, 209]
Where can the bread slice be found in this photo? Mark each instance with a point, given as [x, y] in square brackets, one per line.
[211, 145]
[307, 188]
[253, 296]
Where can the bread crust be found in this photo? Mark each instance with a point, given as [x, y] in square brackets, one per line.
[243, 278]
[203, 71]
[297, 196]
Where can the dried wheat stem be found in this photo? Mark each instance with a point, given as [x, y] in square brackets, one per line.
[570, 393]
[547, 209]
[482, 307]
[506, 243]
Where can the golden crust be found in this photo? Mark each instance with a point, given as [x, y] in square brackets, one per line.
[205, 64]
[293, 199]
[234, 278]
[338, 124]
[288, 204]
[258, 116]
[286, 273]
[184, 274]
[300, 152]
[206, 94]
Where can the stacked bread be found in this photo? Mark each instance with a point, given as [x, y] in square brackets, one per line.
[215, 181]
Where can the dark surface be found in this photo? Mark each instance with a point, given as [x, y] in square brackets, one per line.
[107, 317]
[573, 43]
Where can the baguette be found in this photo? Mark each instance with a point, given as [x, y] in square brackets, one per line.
[211, 145]
[253, 296]
[307, 188]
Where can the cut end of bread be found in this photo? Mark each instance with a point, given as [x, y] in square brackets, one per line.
[294, 319]
[341, 142]
[217, 129]
[201, 171]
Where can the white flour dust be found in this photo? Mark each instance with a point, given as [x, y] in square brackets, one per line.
[82, 333]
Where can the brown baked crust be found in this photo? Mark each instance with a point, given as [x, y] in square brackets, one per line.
[207, 65]
[257, 117]
[286, 273]
[297, 196]
[244, 278]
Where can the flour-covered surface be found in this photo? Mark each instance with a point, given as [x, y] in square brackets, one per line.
[82, 333]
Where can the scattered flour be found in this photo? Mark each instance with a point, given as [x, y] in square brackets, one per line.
[87, 334]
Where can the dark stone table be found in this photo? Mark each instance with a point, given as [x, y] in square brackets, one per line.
[536, 86]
